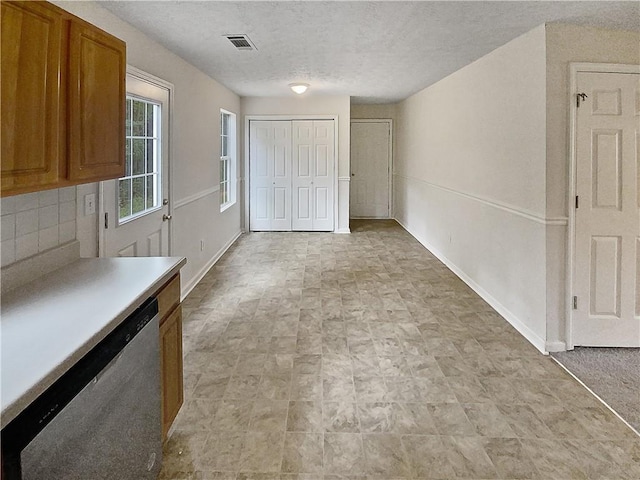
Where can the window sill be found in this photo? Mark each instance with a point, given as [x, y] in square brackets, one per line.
[226, 206]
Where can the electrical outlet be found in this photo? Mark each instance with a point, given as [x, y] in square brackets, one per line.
[90, 204]
[201, 245]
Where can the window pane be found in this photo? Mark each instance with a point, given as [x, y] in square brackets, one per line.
[150, 156]
[225, 146]
[138, 195]
[150, 116]
[151, 191]
[127, 160]
[124, 200]
[127, 129]
[138, 156]
[225, 124]
[139, 108]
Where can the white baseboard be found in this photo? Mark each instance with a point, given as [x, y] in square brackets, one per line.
[342, 230]
[556, 346]
[186, 289]
[510, 317]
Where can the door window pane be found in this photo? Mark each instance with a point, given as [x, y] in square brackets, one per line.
[150, 155]
[138, 156]
[139, 190]
[150, 117]
[124, 197]
[138, 120]
[129, 115]
[127, 160]
[138, 195]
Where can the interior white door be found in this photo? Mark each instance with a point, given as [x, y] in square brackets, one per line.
[313, 175]
[302, 176]
[270, 175]
[607, 221]
[370, 169]
[135, 207]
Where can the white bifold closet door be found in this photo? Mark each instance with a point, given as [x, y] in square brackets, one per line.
[312, 175]
[291, 175]
[270, 175]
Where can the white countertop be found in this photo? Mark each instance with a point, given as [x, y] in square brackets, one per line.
[47, 325]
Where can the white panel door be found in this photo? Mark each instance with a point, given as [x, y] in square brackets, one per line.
[370, 169]
[323, 175]
[303, 159]
[135, 207]
[270, 175]
[607, 258]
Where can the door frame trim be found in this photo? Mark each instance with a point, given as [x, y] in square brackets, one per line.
[159, 82]
[246, 179]
[390, 174]
[574, 69]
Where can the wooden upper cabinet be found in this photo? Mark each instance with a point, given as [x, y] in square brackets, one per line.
[97, 67]
[63, 99]
[32, 96]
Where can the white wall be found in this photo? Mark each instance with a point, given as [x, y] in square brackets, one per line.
[195, 147]
[308, 104]
[386, 110]
[565, 44]
[470, 178]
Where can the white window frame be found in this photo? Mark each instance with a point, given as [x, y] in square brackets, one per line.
[228, 184]
[157, 166]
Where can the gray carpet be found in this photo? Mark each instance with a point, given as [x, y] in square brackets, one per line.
[612, 373]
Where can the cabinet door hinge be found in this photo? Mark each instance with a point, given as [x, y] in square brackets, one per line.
[575, 303]
[577, 201]
[106, 220]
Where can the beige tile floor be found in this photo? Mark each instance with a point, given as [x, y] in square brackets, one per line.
[322, 356]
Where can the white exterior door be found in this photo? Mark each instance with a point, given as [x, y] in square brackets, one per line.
[313, 175]
[270, 175]
[607, 221]
[291, 175]
[370, 169]
[135, 208]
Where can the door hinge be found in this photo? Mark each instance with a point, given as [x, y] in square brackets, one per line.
[577, 201]
[580, 97]
[575, 302]
[106, 220]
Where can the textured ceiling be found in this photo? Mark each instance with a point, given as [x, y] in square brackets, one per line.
[376, 52]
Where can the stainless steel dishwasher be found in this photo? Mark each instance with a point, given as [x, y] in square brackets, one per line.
[101, 419]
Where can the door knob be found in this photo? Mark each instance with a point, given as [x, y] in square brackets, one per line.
[166, 217]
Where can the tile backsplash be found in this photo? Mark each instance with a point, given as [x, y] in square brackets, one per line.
[35, 222]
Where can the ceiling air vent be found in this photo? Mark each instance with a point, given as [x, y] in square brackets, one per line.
[241, 42]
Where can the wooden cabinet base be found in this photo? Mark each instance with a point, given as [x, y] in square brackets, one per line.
[172, 390]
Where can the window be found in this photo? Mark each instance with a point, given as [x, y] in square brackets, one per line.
[139, 190]
[227, 159]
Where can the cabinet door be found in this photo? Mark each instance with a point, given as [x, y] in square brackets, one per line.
[171, 367]
[97, 69]
[32, 115]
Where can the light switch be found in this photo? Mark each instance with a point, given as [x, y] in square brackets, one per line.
[90, 204]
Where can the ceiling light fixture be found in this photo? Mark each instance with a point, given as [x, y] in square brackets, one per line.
[299, 88]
